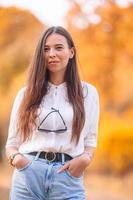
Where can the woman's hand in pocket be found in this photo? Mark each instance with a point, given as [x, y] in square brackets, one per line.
[76, 166]
[20, 161]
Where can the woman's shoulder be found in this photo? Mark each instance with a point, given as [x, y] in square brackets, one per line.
[20, 92]
[19, 96]
[89, 88]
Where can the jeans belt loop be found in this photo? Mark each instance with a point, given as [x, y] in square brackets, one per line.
[37, 155]
[63, 158]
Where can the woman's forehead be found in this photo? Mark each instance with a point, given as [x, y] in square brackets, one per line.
[55, 39]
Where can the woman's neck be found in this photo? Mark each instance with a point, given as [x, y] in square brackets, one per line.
[56, 80]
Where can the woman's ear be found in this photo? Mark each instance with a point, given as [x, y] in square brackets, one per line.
[72, 52]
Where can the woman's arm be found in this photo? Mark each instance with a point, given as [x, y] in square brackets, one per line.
[11, 150]
[15, 158]
[77, 165]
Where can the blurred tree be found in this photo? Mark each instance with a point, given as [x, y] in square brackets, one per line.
[105, 49]
[19, 31]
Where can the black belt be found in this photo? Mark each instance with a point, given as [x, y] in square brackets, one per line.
[52, 156]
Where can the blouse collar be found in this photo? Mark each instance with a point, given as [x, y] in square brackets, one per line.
[62, 85]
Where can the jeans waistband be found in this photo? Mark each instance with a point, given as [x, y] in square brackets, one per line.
[52, 156]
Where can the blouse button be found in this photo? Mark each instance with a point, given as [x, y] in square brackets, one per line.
[56, 90]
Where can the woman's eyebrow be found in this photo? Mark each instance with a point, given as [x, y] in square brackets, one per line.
[58, 44]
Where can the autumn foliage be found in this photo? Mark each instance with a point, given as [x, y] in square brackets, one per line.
[105, 52]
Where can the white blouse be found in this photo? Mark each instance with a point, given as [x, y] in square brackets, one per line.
[54, 122]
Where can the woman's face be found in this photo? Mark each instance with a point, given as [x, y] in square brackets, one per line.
[57, 53]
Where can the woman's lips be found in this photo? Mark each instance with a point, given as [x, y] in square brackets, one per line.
[53, 62]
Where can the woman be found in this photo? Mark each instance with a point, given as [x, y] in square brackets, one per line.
[53, 126]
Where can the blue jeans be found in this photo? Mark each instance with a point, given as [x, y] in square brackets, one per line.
[39, 180]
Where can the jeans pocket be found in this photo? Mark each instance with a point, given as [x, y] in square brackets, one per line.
[74, 177]
[25, 167]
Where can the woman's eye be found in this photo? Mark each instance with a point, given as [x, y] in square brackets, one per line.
[58, 48]
[46, 49]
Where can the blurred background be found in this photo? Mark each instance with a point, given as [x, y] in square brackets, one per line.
[103, 33]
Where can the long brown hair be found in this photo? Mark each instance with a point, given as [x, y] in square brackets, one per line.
[38, 78]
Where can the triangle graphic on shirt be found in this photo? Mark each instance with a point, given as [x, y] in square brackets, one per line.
[46, 126]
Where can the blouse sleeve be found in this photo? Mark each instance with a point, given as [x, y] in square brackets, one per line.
[13, 139]
[92, 116]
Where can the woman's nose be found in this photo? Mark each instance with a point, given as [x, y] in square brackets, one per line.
[52, 53]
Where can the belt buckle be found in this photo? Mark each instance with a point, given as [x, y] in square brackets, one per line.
[46, 156]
